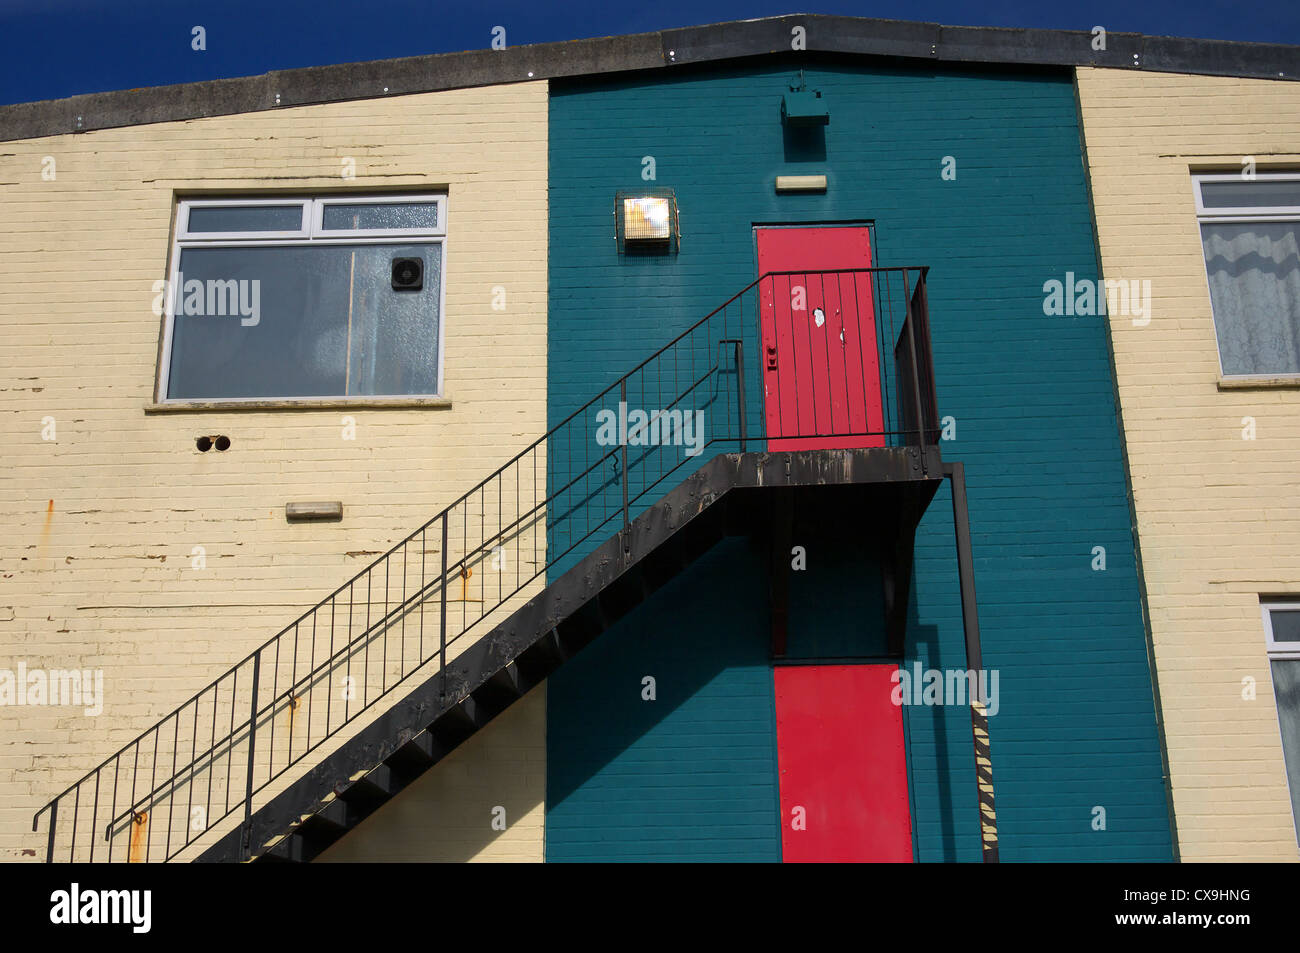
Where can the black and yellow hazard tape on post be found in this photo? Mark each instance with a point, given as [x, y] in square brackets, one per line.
[979, 722]
[979, 719]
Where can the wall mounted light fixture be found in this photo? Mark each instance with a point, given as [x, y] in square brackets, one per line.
[646, 222]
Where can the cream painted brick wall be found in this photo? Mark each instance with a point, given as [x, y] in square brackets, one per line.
[99, 525]
[1218, 516]
[447, 815]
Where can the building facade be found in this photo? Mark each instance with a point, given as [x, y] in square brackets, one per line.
[1206, 384]
[896, 529]
[159, 564]
[1040, 446]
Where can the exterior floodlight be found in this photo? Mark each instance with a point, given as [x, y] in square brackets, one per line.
[646, 222]
[647, 218]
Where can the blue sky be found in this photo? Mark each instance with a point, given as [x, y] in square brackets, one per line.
[55, 48]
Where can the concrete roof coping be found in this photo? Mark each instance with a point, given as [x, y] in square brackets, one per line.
[665, 49]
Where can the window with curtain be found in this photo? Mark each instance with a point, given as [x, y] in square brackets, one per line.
[1249, 232]
[1282, 631]
[305, 297]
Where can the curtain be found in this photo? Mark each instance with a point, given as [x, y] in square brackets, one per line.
[1254, 271]
[1286, 687]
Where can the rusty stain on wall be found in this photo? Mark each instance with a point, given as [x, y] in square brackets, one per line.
[294, 702]
[139, 829]
[465, 573]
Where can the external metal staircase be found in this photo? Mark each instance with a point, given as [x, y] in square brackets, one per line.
[299, 742]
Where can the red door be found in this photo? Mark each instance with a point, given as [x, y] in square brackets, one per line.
[821, 377]
[843, 768]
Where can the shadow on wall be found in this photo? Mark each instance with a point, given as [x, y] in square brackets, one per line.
[682, 767]
[447, 815]
[931, 734]
[690, 773]
[941, 766]
[804, 143]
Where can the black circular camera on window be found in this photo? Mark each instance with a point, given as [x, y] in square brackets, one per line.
[408, 274]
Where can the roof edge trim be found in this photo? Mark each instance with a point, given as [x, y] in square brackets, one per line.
[868, 37]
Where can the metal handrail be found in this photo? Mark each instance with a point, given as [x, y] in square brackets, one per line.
[912, 381]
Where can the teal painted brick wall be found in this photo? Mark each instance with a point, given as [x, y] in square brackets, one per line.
[1031, 396]
[692, 774]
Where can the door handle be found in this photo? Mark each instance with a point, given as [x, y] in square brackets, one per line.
[771, 357]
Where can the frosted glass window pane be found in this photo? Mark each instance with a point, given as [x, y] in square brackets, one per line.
[388, 215]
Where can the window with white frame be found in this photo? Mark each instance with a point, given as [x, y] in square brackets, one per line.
[300, 297]
[1249, 229]
[1282, 630]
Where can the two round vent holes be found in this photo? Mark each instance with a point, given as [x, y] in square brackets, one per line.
[220, 441]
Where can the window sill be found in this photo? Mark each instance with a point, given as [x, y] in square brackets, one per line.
[1259, 383]
[305, 403]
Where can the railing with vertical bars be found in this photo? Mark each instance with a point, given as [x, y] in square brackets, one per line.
[826, 368]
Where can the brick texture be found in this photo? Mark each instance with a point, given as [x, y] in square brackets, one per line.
[1031, 395]
[101, 523]
[1218, 517]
